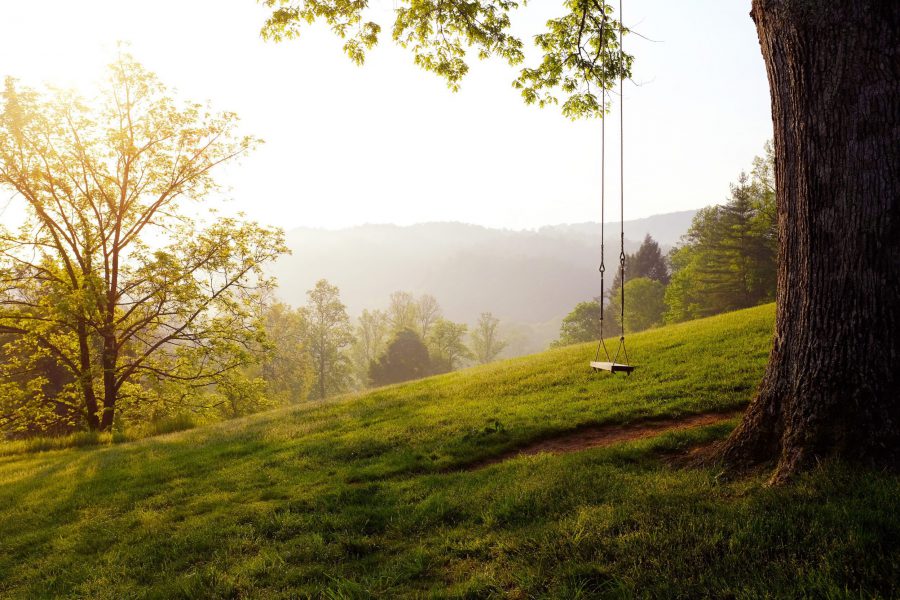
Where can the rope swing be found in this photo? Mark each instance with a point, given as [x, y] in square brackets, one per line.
[611, 364]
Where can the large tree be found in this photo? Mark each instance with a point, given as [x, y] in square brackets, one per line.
[108, 277]
[287, 367]
[329, 333]
[831, 386]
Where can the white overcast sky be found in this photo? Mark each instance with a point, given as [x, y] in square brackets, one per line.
[388, 143]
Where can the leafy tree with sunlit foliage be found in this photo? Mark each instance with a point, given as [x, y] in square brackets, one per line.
[108, 276]
[580, 47]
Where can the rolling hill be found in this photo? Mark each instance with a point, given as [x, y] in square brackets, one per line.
[393, 494]
[529, 279]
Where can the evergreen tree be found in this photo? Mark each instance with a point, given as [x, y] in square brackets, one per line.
[726, 261]
[648, 262]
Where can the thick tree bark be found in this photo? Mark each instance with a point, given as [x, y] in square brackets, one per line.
[832, 385]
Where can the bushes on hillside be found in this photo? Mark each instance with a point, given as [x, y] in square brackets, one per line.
[406, 358]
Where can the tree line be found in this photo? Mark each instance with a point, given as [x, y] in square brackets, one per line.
[408, 340]
[726, 261]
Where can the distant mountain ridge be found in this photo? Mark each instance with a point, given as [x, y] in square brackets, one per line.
[529, 278]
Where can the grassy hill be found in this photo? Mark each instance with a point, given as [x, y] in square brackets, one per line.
[373, 495]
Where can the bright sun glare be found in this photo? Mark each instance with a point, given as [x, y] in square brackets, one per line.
[376, 144]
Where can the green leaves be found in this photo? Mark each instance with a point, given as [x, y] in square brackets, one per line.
[486, 341]
[580, 50]
[446, 345]
[581, 57]
[581, 325]
[108, 277]
[344, 17]
[439, 32]
[728, 258]
[329, 334]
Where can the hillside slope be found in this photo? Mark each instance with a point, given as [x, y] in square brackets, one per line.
[367, 496]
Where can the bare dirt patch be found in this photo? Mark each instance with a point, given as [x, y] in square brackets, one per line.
[597, 436]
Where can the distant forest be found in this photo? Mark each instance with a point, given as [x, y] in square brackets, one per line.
[528, 279]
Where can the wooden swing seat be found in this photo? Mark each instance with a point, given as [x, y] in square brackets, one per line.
[612, 367]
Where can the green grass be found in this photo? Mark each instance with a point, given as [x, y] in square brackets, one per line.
[82, 439]
[362, 497]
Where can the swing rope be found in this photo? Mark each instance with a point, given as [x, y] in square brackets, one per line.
[621, 349]
[602, 344]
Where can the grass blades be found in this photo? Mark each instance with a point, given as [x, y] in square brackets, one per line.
[361, 497]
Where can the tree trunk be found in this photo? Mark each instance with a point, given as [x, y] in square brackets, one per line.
[832, 385]
[86, 378]
[110, 392]
[322, 373]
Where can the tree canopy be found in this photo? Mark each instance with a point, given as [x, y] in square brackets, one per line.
[486, 341]
[580, 51]
[644, 304]
[108, 277]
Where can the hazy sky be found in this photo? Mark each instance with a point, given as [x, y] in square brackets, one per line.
[389, 143]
